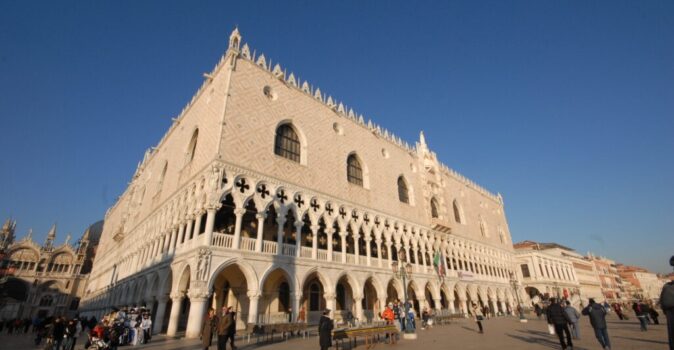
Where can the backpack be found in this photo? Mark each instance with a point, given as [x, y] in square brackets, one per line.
[667, 296]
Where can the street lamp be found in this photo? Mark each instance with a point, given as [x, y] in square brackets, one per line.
[556, 286]
[403, 270]
[514, 283]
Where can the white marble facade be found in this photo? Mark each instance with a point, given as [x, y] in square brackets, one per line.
[270, 196]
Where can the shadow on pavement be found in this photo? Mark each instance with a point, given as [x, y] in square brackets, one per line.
[538, 341]
[644, 340]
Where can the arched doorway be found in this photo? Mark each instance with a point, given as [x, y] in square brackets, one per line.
[313, 301]
[392, 292]
[412, 296]
[345, 310]
[429, 296]
[275, 304]
[230, 288]
[371, 304]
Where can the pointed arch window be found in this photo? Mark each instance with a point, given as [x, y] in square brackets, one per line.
[354, 171]
[403, 193]
[434, 208]
[192, 147]
[287, 143]
[457, 212]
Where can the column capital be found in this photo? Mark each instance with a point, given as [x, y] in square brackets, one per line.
[198, 294]
[314, 228]
[239, 211]
[178, 296]
[329, 295]
[253, 294]
[261, 216]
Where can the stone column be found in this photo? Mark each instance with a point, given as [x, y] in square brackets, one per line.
[359, 308]
[196, 317]
[378, 243]
[464, 306]
[188, 229]
[415, 251]
[329, 231]
[238, 212]
[210, 222]
[260, 231]
[450, 303]
[295, 300]
[342, 234]
[159, 316]
[280, 221]
[298, 238]
[254, 299]
[181, 234]
[368, 251]
[174, 318]
[314, 241]
[356, 248]
[438, 303]
[389, 252]
[330, 301]
[172, 242]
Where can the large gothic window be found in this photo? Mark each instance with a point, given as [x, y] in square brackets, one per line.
[192, 147]
[287, 143]
[434, 208]
[403, 194]
[354, 171]
[457, 212]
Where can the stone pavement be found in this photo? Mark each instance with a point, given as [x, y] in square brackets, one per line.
[500, 333]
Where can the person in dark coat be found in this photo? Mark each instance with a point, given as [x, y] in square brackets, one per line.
[231, 331]
[641, 315]
[208, 329]
[225, 320]
[325, 326]
[57, 332]
[560, 320]
[597, 315]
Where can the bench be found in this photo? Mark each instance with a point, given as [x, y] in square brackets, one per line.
[446, 319]
[371, 335]
[267, 331]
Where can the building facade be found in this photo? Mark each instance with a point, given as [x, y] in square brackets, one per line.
[611, 283]
[44, 280]
[647, 285]
[269, 196]
[546, 271]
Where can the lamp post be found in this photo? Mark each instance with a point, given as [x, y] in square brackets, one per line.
[403, 270]
[514, 283]
[556, 285]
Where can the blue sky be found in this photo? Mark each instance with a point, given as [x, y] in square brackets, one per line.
[566, 108]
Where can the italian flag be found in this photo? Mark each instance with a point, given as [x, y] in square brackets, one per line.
[437, 262]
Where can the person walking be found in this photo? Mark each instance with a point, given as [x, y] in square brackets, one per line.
[478, 316]
[597, 315]
[146, 328]
[653, 313]
[667, 304]
[224, 323]
[57, 332]
[641, 315]
[231, 331]
[325, 326]
[573, 317]
[558, 318]
[208, 328]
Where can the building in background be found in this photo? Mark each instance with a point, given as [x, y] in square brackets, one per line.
[547, 271]
[44, 279]
[611, 283]
[646, 285]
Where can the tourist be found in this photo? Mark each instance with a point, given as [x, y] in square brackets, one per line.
[388, 314]
[209, 327]
[641, 315]
[574, 317]
[399, 315]
[597, 315]
[225, 320]
[538, 310]
[71, 334]
[410, 323]
[302, 316]
[486, 311]
[618, 310]
[653, 313]
[231, 331]
[325, 326]
[146, 327]
[558, 318]
[478, 316]
[57, 332]
[424, 318]
[667, 304]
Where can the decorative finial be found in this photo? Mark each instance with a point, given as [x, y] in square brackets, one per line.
[422, 138]
[29, 236]
[235, 39]
[68, 239]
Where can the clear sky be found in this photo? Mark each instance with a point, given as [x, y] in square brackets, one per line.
[564, 107]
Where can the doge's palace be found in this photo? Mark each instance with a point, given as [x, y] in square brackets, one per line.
[268, 195]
